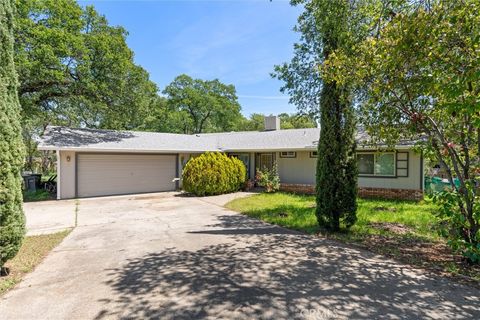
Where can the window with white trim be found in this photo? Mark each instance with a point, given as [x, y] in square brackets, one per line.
[288, 154]
[376, 164]
[313, 154]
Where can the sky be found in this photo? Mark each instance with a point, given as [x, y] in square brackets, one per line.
[237, 42]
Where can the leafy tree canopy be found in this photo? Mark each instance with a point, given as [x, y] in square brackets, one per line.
[76, 69]
[203, 105]
[418, 76]
[255, 122]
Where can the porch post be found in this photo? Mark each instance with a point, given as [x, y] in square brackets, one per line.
[58, 174]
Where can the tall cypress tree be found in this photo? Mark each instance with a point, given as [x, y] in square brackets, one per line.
[336, 178]
[325, 26]
[12, 219]
[336, 188]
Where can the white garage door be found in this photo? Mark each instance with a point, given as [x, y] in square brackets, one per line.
[101, 174]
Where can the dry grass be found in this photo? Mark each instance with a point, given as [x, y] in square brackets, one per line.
[34, 249]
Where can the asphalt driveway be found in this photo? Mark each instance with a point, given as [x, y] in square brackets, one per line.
[164, 256]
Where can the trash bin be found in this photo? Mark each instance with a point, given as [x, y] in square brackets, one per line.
[32, 181]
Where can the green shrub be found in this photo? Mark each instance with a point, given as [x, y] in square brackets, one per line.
[268, 179]
[12, 219]
[463, 234]
[213, 173]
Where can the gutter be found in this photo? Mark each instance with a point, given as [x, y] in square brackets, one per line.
[120, 150]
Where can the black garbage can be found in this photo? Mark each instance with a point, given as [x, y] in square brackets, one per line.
[32, 181]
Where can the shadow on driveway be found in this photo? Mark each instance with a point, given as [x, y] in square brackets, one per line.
[266, 272]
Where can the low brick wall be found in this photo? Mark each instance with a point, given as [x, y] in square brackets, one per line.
[297, 188]
[382, 193]
[394, 194]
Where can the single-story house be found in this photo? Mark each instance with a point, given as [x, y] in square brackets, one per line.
[94, 162]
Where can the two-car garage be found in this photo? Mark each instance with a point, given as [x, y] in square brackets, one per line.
[101, 174]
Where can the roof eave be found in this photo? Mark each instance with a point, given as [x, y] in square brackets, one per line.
[120, 150]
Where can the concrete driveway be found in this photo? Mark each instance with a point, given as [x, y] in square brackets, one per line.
[44, 217]
[164, 256]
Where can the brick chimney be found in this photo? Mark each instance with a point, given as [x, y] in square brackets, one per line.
[272, 123]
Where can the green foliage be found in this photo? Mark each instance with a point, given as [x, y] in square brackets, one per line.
[12, 219]
[287, 121]
[255, 122]
[204, 105]
[77, 70]
[336, 183]
[418, 76]
[296, 121]
[213, 173]
[347, 21]
[324, 28]
[268, 178]
[460, 231]
[38, 195]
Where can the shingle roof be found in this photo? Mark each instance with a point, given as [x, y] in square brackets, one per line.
[63, 138]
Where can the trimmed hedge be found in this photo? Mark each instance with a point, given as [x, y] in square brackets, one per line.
[213, 173]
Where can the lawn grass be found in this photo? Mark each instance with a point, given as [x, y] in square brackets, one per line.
[34, 249]
[404, 230]
[298, 212]
[39, 195]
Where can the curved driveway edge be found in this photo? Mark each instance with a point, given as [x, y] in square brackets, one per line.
[169, 257]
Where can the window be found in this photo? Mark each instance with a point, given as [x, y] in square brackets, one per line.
[402, 164]
[366, 163]
[313, 154]
[264, 160]
[288, 154]
[376, 164]
[385, 164]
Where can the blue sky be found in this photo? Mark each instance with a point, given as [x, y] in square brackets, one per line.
[237, 42]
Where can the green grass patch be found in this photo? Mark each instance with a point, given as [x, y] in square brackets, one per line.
[374, 216]
[38, 195]
[34, 249]
[404, 230]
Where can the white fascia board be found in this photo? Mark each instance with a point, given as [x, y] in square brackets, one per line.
[75, 149]
[312, 148]
[267, 149]
[305, 149]
[400, 147]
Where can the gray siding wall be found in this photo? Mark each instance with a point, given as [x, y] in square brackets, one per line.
[301, 170]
